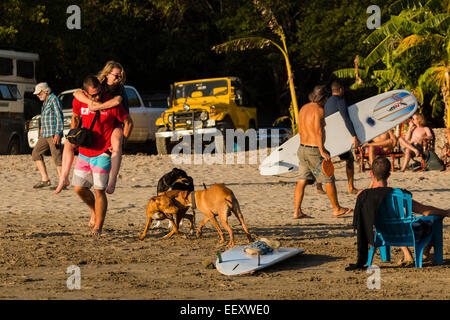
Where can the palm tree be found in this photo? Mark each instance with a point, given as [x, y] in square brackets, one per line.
[412, 51]
[247, 43]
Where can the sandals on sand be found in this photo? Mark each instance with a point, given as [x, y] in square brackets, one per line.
[42, 184]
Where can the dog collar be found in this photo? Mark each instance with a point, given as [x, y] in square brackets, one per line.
[194, 206]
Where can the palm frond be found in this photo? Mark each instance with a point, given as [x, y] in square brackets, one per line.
[242, 44]
[409, 42]
[356, 85]
[379, 34]
[349, 73]
[407, 25]
[378, 53]
[439, 22]
[270, 17]
[400, 5]
[436, 6]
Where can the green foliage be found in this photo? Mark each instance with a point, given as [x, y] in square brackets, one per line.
[411, 51]
[162, 41]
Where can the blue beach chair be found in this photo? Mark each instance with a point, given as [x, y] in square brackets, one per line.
[394, 227]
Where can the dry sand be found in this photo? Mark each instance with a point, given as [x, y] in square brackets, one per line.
[42, 234]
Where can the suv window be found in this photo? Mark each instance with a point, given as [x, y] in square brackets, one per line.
[133, 100]
[9, 92]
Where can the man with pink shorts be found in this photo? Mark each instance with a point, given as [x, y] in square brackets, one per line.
[94, 163]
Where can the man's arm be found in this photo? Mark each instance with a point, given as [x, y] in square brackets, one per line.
[95, 106]
[318, 127]
[75, 122]
[417, 207]
[343, 110]
[59, 121]
[114, 102]
[429, 134]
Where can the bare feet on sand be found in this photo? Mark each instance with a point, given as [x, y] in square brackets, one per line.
[301, 215]
[320, 191]
[354, 191]
[91, 223]
[95, 232]
[342, 212]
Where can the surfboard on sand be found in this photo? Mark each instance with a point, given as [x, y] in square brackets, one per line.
[236, 262]
[370, 118]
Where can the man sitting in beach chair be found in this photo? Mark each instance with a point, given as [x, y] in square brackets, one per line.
[367, 204]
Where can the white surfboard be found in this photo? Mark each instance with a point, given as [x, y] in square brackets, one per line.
[236, 262]
[370, 118]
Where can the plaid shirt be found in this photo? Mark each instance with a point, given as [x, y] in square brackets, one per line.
[52, 119]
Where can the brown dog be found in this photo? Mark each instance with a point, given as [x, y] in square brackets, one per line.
[218, 201]
[163, 207]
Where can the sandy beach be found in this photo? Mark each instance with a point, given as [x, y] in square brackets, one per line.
[42, 234]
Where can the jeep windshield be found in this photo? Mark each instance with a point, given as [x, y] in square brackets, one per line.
[201, 89]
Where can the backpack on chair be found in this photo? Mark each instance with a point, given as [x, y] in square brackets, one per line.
[432, 161]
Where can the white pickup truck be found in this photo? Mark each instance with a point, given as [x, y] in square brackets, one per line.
[144, 117]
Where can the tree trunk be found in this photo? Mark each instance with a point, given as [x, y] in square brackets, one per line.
[446, 95]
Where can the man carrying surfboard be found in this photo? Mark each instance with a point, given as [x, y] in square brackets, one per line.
[336, 103]
[311, 153]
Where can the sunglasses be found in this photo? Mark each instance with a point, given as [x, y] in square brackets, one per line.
[116, 75]
[93, 95]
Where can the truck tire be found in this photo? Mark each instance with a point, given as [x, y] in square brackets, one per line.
[163, 145]
[14, 146]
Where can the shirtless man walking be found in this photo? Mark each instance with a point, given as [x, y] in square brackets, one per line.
[413, 141]
[311, 122]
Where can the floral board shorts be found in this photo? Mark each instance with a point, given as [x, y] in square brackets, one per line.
[92, 171]
[310, 165]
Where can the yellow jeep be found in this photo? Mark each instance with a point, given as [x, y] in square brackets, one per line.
[206, 106]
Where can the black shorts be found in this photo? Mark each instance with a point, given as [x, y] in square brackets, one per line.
[347, 156]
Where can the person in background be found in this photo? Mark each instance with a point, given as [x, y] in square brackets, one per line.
[52, 125]
[336, 103]
[412, 143]
[366, 207]
[311, 153]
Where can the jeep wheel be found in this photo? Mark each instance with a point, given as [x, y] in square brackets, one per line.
[14, 146]
[163, 145]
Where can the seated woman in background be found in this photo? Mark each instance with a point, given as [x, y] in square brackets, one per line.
[412, 143]
[381, 145]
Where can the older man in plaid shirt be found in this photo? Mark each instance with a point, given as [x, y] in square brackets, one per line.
[52, 125]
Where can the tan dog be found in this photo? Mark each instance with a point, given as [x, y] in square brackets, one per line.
[163, 207]
[218, 201]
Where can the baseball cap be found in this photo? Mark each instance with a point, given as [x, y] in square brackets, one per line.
[41, 86]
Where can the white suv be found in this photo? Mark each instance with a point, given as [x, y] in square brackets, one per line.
[144, 117]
